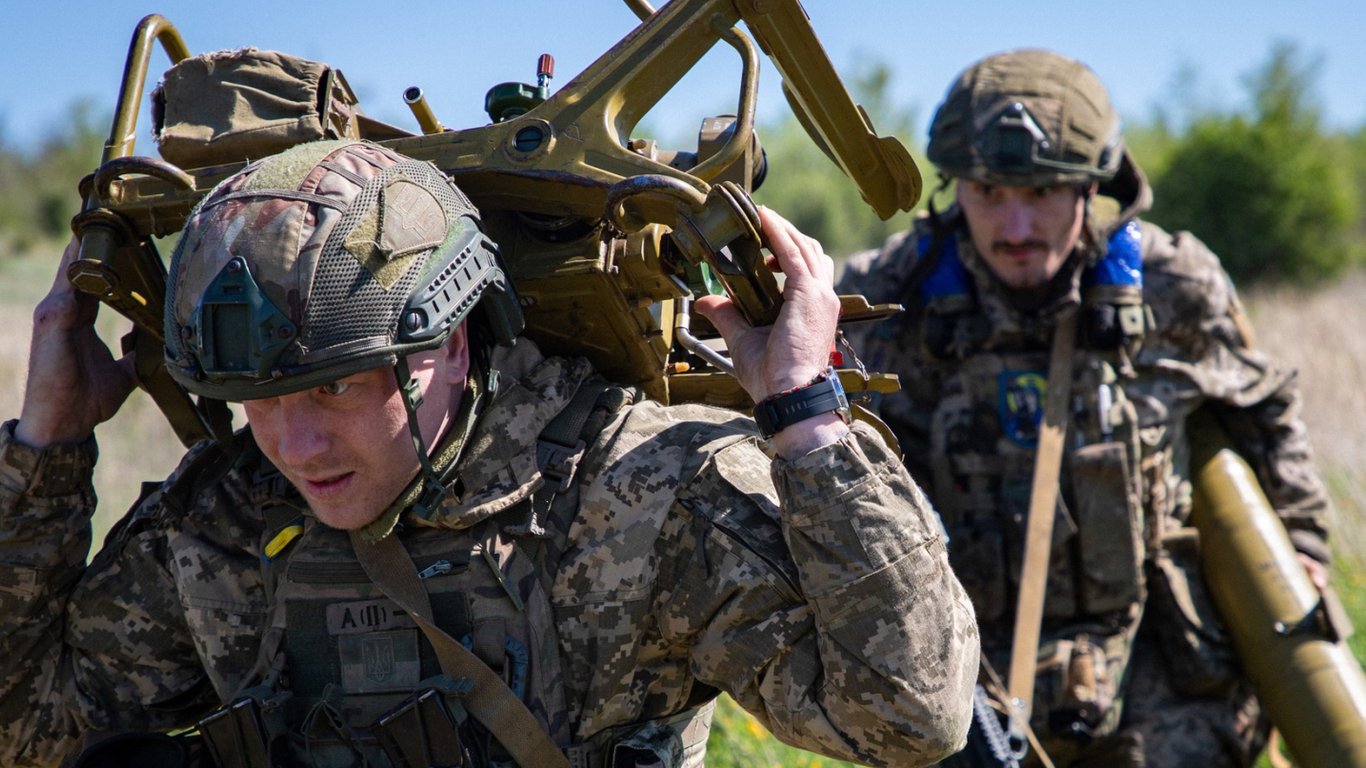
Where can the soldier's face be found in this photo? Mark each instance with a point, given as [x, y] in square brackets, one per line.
[1023, 233]
[346, 445]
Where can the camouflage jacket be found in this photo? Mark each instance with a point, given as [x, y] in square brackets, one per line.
[967, 417]
[683, 561]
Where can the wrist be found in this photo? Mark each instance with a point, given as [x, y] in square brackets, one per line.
[35, 431]
[823, 396]
[806, 436]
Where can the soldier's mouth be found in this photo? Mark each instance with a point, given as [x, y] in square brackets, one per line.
[328, 487]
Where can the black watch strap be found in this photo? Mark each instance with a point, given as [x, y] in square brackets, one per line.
[776, 413]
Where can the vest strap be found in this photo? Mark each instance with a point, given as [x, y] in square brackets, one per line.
[1043, 504]
[490, 701]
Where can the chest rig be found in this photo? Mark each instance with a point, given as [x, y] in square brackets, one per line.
[985, 428]
[348, 677]
[984, 438]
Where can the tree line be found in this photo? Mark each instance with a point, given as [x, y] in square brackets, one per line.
[1277, 194]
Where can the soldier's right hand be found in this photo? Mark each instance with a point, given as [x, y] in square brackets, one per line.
[74, 381]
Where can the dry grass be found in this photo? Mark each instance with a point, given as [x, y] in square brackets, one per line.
[136, 445]
[1318, 332]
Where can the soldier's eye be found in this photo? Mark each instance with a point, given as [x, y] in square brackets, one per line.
[335, 388]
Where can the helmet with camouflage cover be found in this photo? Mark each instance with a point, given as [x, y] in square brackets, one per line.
[328, 259]
[1027, 118]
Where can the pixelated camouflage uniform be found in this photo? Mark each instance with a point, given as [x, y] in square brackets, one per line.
[1121, 548]
[667, 575]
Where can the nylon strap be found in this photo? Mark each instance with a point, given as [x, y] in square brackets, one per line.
[1043, 504]
[490, 701]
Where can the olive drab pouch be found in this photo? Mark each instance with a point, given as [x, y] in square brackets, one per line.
[425, 728]
[1197, 652]
[249, 732]
[231, 106]
[1109, 521]
[1077, 684]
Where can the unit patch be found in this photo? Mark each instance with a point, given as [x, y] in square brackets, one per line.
[377, 662]
[1021, 397]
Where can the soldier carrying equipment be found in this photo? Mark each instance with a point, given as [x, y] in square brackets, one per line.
[1057, 358]
[432, 543]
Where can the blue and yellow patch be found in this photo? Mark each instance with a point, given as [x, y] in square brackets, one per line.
[282, 539]
[1022, 396]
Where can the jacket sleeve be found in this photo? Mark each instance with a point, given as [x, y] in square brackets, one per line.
[1203, 332]
[843, 629]
[83, 650]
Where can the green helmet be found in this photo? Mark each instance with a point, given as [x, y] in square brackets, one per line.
[328, 259]
[1027, 118]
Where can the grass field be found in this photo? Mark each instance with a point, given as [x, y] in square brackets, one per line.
[1316, 331]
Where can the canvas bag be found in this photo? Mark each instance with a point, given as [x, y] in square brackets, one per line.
[237, 105]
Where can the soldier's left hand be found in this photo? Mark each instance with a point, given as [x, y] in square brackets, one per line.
[1318, 573]
[792, 351]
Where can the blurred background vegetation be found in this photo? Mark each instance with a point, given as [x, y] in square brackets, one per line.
[1280, 197]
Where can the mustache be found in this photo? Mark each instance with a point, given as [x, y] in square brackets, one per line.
[1001, 245]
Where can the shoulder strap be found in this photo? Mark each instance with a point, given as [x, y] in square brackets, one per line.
[559, 448]
[490, 701]
[1043, 504]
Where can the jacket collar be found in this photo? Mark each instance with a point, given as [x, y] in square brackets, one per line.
[498, 467]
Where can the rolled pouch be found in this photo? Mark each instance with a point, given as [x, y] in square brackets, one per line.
[1077, 684]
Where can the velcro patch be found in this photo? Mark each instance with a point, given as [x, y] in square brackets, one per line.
[366, 616]
[377, 662]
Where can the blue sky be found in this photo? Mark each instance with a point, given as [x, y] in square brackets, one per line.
[57, 53]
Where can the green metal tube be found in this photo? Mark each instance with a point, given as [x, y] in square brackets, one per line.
[1307, 679]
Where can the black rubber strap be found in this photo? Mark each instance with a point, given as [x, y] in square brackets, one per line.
[825, 394]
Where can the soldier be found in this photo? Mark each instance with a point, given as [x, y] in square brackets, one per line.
[434, 545]
[1041, 276]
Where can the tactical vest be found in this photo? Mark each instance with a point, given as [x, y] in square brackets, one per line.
[983, 433]
[350, 679]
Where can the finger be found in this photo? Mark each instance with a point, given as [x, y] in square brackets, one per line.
[796, 252]
[69, 256]
[783, 242]
[723, 315]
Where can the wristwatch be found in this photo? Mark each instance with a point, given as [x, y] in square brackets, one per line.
[824, 394]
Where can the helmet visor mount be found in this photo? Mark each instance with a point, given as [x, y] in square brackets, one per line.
[1013, 148]
[234, 303]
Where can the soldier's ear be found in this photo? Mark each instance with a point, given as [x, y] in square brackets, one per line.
[453, 357]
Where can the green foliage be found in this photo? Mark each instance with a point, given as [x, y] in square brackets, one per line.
[1266, 192]
[807, 187]
[738, 740]
[38, 193]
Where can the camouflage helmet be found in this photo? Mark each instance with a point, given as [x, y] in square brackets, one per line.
[1027, 118]
[328, 259]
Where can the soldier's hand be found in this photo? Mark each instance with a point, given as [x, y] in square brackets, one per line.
[1317, 572]
[796, 348]
[74, 381]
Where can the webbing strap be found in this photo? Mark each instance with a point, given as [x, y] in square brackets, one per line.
[490, 701]
[559, 448]
[1043, 504]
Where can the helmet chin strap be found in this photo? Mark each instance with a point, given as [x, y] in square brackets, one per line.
[481, 382]
[433, 489]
